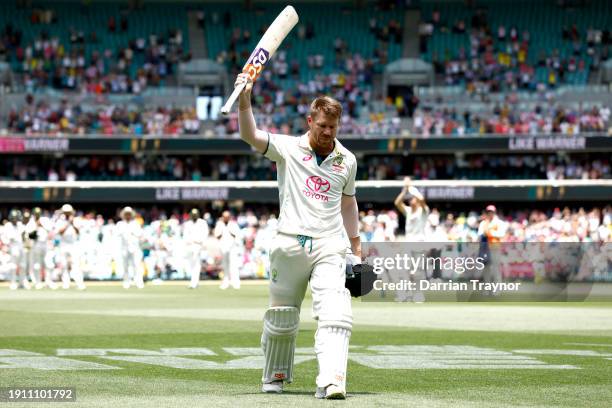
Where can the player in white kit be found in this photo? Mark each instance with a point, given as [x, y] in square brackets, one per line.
[316, 182]
[130, 261]
[195, 232]
[67, 230]
[228, 233]
[12, 237]
[38, 230]
[416, 214]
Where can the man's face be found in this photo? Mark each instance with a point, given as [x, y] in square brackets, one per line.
[323, 129]
[225, 216]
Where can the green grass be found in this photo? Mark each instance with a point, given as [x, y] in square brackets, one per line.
[172, 317]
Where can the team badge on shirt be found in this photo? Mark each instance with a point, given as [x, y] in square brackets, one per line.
[337, 165]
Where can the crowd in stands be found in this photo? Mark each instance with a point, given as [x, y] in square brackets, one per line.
[181, 168]
[65, 118]
[81, 64]
[478, 167]
[529, 225]
[38, 117]
[255, 167]
[507, 119]
[500, 57]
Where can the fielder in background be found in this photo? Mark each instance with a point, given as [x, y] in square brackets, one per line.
[228, 233]
[491, 231]
[67, 230]
[316, 182]
[12, 237]
[130, 262]
[38, 230]
[195, 232]
[416, 214]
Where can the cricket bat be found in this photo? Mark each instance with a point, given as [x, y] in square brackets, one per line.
[265, 49]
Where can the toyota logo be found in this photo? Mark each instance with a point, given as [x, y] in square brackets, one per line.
[318, 184]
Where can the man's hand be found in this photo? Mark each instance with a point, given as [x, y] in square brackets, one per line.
[407, 182]
[245, 95]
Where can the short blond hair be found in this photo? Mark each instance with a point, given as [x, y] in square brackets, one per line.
[329, 106]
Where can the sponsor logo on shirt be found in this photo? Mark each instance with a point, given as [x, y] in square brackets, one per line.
[307, 157]
[316, 187]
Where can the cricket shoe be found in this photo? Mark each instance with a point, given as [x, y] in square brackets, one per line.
[13, 286]
[275, 387]
[330, 392]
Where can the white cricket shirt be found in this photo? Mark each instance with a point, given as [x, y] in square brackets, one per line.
[309, 193]
[416, 221]
[195, 232]
[130, 234]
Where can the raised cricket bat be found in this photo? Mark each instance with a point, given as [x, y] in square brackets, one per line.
[265, 49]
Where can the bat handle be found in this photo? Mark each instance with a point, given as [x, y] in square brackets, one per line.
[225, 109]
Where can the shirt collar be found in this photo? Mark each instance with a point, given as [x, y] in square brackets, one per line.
[305, 144]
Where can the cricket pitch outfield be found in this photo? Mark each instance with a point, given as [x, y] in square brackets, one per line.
[169, 346]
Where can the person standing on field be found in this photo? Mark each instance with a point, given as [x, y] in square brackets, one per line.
[316, 182]
[195, 232]
[228, 233]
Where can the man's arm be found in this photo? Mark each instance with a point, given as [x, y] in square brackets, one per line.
[258, 139]
[218, 229]
[74, 226]
[399, 201]
[350, 217]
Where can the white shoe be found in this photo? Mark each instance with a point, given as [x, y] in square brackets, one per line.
[275, 387]
[39, 286]
[81, 287]
[65, 285]
[26, 285]
[224, 286]
[13, 286]
[330, 392]
[419, 297]
[126, 285]
[140, 285]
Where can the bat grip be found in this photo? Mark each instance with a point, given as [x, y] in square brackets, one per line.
[225, 109]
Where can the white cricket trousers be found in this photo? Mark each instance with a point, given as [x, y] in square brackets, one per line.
[193, 263]
[299, 260]
[130, 265]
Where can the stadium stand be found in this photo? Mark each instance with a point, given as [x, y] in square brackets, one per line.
[98, 46]
[371, 167]
[493, 46]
